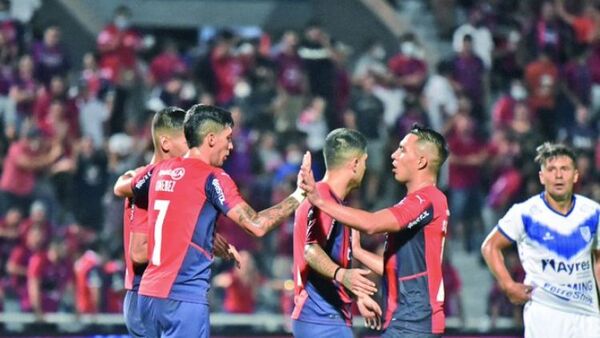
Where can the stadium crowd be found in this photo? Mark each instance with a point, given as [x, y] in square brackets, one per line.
[521, 73]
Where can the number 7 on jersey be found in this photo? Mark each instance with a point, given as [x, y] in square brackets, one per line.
[161, 206]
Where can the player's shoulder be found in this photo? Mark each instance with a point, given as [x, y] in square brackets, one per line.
[586, 202]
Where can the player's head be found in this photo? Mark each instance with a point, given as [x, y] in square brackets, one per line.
[346, 148]
[422, 149]
[167, 132]
[210, 127]
[558, 172]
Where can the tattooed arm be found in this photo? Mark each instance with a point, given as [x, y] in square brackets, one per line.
[353, 279]
[260, 223]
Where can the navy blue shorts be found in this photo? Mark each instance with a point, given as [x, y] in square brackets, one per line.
[165, 318]
[302, 329]
[133, 320]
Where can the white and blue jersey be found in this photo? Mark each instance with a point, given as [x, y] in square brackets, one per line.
[556, 251]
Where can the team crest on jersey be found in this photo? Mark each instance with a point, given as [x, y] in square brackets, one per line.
[586, 233]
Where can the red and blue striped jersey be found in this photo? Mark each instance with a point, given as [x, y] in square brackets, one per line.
[412, 284]
[135, 219]
[319, 299]
[185, 196]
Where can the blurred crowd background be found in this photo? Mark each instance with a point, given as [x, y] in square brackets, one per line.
[518, 73]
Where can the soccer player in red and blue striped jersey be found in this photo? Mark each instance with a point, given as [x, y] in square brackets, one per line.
[185, 196]
[169, 142]
[416, 229]
[324, 281]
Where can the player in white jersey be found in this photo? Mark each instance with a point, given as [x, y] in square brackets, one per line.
[557, 236]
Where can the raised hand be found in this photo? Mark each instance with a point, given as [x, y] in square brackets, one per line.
[371, 312]
[355, 281]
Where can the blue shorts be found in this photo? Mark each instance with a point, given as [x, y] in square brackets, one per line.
[302, 329]
[165, 318]
[131, 312]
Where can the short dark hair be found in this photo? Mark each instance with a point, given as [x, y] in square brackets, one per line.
[200, 120]
[426, 134]
[550, 150]
[340, 144]
[169, 118]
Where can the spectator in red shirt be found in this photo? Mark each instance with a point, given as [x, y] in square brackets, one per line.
[18, 262]
[541, 77]
[408, 66]
[468, 153]
[118, 44]
[291, 83]
[241, 286]
[227, 67]
[25, 159]
[88, 282]
[49, 275]
[584, 23]
[166, 64]
[38, 219]
[56, 91]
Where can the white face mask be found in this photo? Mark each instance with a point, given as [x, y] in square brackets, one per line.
[378, 53]
[408, 48]
[518, 92]
[121, 22]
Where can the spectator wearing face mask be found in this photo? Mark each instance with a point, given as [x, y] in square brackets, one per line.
[503, 110]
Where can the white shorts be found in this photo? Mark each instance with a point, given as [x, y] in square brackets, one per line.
[542, 321]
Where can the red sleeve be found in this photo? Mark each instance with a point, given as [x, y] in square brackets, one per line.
[140, 185]
[318, 227]
[34, 268]
[414, 210]
[222, 191]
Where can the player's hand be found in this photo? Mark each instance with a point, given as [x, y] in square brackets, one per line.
[306, 180]
[355, 281]
[221, 248]
[235, 255]
[371, 311]
[518, 293]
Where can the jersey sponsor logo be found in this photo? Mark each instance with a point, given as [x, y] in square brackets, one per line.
[143, 180]
[176, 174]
[563, 267]
[219, 190]
[566, 293]
[419, 219]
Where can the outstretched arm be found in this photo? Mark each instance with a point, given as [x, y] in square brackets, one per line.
[352, 279]
[369, 259]
[260, 223]
[491, 250]
[364, 221]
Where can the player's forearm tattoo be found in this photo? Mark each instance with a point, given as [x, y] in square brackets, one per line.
[268, 218]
